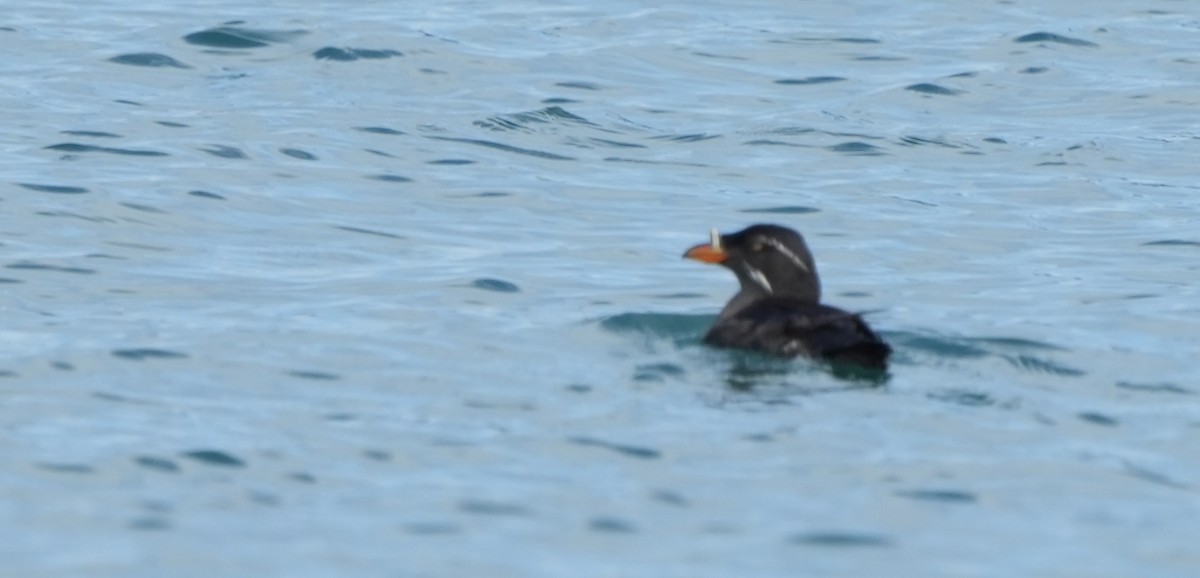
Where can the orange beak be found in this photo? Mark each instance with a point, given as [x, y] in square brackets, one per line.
[705, 252]
[710, 252]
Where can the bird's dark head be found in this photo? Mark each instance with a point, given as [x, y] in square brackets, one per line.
[767, 259]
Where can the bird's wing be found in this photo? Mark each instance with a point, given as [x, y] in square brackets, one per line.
[793, 327]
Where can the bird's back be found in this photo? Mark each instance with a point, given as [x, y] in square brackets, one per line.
[793, 327]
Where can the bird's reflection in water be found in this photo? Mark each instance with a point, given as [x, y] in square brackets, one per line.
[748, 371]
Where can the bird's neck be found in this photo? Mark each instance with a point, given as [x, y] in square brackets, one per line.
[752, 291]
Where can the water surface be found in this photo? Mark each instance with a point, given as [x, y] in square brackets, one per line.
[396, 290]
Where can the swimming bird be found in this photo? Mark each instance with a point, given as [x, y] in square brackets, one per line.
[778, 309]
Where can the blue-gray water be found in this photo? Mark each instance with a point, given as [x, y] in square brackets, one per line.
[394, 289]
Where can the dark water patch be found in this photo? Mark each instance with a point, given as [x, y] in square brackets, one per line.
[151, 59]
[7, 373]
[431, 528]
[559, 100]
[215, 458]
[379, 130]
[1056, 38]
[368, 231]
[930, 88]
[118, 398]
[452, 162]
[1098, 418]
[71, 147]
[157, 464]
[1154, 387]
[352, 54]
[962, 397]
[298, 154]
[856, 148]
[855, 376]
[1033, 70]
[380, 153]
[785, 210]
[377, 455]
[1154, 477]
[696, 137]
[657, 372]
[1015, 343]
[150, 524]
[682, 295]
[489, 508]
[1172, 243]
[810, 80]
[61, 365]
[129, 102]
[649, 162]
[1038, 365]
[578, 85]
[627, 450]
[679, 328]
[842, 540]
[769, 142]
[504, 147]
[157, 506]
[492, 194]
[206, 195]
[225, 151]
[314, 375]
[302, 477]
[579, 388]
[66, 468]
[964, 75]
[720, 56]
[56, 189]
[610, 525]
[939, 346]
[843, 40]
[144, 208]
[31, 266]
[172, 124]
[798, 131]
[1130, 297]
[340, 417]
[497, 285]
[143, 354]
[238, 37]
[525, 120]
[918, 141]
[995, 140]
[10, 280]
[263, 498]
[943, 496]
[505, 405]
[670, 497]
[390, 178]
[91, 133]
[615, 144]
[877, 58]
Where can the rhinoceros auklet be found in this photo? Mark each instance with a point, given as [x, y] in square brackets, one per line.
[778, 308]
